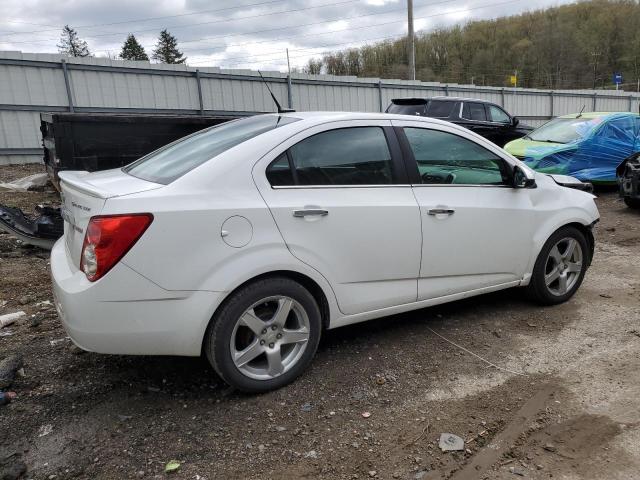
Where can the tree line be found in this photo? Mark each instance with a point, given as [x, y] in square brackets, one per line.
[578, 45]
[165, 51]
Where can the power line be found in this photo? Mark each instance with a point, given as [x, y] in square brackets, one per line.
[349, 28]
[226, 20]
[144, 19]
[387, 37]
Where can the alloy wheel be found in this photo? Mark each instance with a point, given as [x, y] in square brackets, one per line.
[270, 337]
[563, 266]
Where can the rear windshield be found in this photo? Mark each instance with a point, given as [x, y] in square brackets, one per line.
[407, 107]
[432, 108]
[174, 160]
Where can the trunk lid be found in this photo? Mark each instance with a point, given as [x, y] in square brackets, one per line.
[84, 195]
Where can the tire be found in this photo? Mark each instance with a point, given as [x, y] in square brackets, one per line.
[551, 264]
[249, 332]
[632, 202]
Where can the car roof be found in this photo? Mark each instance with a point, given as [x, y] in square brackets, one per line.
[443, 98]
[323, 117]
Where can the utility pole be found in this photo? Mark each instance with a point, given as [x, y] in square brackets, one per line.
[411, 41]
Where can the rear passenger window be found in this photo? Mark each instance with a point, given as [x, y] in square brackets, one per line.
[474, 111]
[279, 173]
[347, 156]
[440, 108]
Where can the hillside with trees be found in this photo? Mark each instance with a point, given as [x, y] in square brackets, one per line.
[572, 46]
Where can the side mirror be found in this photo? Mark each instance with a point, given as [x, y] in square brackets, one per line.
[521, 179]
[515, 121]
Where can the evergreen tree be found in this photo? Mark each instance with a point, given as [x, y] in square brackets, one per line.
[132, 50]
[72, 45]
[166, 50]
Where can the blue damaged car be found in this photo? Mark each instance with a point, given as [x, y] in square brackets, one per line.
[587, 146]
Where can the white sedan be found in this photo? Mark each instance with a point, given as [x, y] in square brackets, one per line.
[245, 241]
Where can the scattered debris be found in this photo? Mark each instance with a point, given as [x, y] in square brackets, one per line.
[605, 295]
[306, 407]
[311, 454]
[517, 471]
[549, 447]
[41, 231]
[381, 380]
[58, 340]
[372, 473]
[366, 414]
[10, 318]
[635, 332]
[8, 368]
[172, 466]
[450, 442]
[7, 397]
[24, 184]
[280, 428]
[45, 430]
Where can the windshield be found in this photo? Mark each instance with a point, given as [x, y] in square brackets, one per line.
[564, 130]
[174, 160]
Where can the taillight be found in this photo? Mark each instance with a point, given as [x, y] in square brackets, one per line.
[108, 239]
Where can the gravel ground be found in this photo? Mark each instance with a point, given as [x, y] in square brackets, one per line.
[565, 402]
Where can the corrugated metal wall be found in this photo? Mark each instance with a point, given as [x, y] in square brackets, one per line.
[35, 83]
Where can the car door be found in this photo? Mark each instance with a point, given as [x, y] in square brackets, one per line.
[339, 195]
[477, 230]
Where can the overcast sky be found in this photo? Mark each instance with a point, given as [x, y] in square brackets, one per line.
[237, 34]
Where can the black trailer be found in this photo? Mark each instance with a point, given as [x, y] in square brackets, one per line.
[92, 142]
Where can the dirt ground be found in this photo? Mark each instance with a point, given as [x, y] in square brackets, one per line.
[565, 403]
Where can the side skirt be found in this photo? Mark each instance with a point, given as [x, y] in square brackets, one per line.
[383, 312]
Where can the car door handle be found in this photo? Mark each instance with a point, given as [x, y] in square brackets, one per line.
[311, 212]
[441, 211]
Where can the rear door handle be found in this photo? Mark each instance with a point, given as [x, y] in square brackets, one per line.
[441, 211]
[311, 212]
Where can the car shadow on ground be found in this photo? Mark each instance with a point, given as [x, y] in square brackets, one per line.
[194, 376]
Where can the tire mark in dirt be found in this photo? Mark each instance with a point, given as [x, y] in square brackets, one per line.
[500, 444]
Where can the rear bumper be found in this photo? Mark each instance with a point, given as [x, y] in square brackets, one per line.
[124, 313]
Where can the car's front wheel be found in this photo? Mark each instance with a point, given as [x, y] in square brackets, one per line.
[264, 335]
[560, 267]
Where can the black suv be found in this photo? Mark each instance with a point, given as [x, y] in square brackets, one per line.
[484, 118]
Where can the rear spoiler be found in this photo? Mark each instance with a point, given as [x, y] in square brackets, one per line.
[410, 101]
[75, 179]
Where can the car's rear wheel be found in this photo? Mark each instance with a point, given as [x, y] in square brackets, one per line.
[632, 202]
[264, 335]
[560, 267]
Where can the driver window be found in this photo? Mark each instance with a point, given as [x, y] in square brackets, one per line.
[498, 115]
[445, 158]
